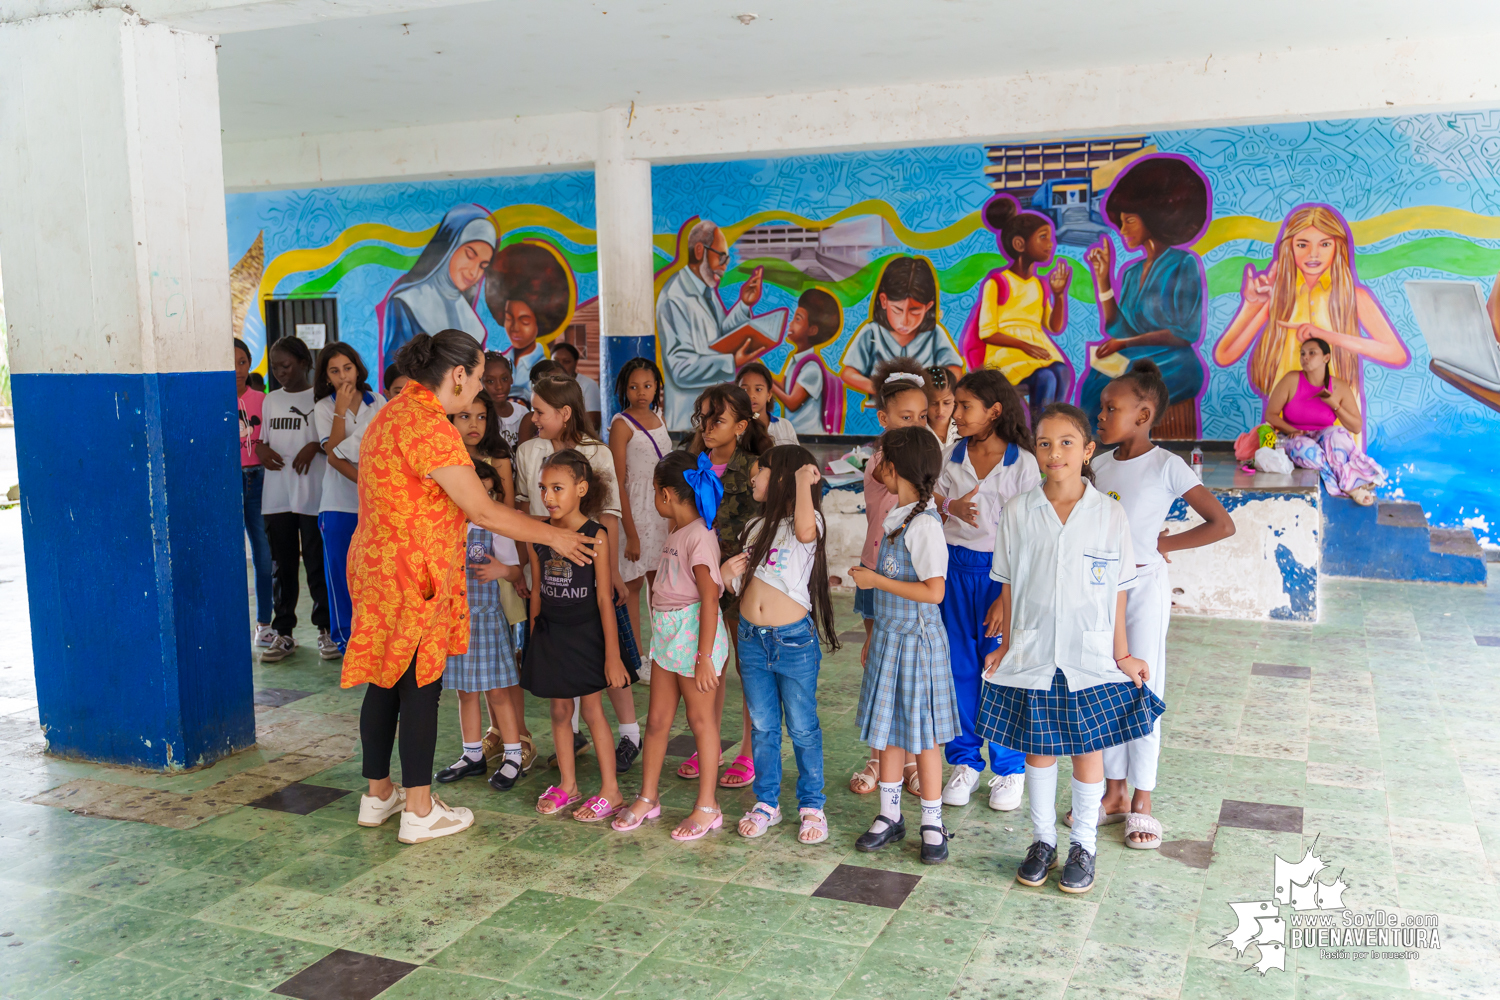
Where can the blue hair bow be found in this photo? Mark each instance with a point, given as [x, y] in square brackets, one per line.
[708, 490]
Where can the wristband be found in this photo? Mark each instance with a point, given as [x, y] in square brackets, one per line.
[943, 507]
[1119, 658]
[1106, 295]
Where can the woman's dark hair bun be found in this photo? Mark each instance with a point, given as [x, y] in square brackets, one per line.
[427, 358]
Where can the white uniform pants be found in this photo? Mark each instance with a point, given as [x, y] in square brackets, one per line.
[1148, 611]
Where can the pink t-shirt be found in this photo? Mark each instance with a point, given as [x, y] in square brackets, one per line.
[676, 586]
[879, 502]
[251, 405]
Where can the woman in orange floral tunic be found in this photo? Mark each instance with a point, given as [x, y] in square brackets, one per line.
[417, 487]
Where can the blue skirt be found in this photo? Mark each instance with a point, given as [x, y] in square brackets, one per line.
[1060, 723]
[491, 660]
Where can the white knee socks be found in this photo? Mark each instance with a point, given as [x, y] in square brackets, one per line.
[890, 800]
[1086, 799]
[1041, 794]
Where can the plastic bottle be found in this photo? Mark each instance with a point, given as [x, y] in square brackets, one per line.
[1197, 462]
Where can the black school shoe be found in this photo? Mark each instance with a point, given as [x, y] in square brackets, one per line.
[580, 747]
[463, 769]
[935, 854]
[872, 840]
[1078, 873]
[1040, 859]
[625, 754]
[506, 776]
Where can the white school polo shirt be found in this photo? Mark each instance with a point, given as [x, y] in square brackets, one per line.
[1146, 487]
[1013, 475]
[1064, 579]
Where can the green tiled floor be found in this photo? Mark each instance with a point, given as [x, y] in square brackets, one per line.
[1391, 750]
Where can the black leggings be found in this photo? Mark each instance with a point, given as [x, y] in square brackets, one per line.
[417, 710]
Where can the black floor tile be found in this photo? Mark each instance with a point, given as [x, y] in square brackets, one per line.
[1193, 853]
[685, 745]
[276, 697]
[870, 886]
[1487, 640]
[1280, 670]
[299, 798]
[1260, 816]
[345, 975]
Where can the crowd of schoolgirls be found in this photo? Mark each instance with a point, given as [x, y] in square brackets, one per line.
[1012, 584]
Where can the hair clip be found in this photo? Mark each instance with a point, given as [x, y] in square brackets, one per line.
[902, 377]
[939, 376]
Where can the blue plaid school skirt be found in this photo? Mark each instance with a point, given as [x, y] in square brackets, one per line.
[907, 699]
[1060, 723]
[491, 659]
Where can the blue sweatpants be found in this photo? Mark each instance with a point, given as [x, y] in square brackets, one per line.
[966, 600]
[337, 528]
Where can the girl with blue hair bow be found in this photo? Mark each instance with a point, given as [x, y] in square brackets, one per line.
[689, 644]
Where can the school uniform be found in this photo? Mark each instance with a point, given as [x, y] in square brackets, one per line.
[970, 590]
[906, 698]
[289, 504]
[490, 661]
[1058, 691]
[781, 431]
[338, 508]
[1146, 487]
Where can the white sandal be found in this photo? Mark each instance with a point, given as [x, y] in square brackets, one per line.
[761, 817]
[1144, 824]
[812, 819]
[866, 781]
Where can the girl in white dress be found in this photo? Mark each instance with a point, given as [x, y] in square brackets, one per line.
[638, 440]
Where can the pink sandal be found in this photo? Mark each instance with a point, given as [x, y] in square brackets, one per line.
[559, 799]
[625, 820]
[596, 809]
[689, 767]
[740, 774]
[699, 830]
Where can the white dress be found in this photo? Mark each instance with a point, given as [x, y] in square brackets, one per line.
[644, 450]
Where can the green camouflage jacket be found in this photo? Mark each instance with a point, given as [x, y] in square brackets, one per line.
[735, 511]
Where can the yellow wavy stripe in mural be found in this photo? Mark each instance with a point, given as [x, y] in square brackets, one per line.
[938, 238]
[1459, 221]
[541, 217]
[317, 258]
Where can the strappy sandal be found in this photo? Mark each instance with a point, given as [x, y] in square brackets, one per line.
[913, 782]
[558, 799]
[761, 817]
[596, 809]
[866, 781]
[699, 830]
[528, 753]
[812, 819]
[1145, 824]
[740, 774]
[689, 767]
[626, 820]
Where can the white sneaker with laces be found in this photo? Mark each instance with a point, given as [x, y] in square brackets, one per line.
[327, 648]
[1006, 791]
[956, 792]
[374, 811]
[280, 648]
[442, 821]
[262, 636]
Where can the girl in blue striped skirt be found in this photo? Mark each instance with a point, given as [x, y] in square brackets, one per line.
[906, 702]
[1063, 680]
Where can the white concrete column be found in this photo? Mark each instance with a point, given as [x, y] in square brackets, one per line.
[622, 197]
[117, 293]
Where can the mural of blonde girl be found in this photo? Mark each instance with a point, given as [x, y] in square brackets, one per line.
[1310, 293]
[1010, 325]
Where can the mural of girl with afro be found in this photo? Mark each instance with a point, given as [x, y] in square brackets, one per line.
[532, 293]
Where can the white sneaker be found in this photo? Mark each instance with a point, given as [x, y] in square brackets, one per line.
[440, 822]
[327, 648]
[280, 648]
[956, 792]
[1006, 791]
[373, 811]
[262, 636]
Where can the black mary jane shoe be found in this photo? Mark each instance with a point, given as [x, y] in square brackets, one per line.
[1078, 873]
[874, 840]
[1040, 859]
[463, 769]
[935, 854]
[505, 776]
[625, 754]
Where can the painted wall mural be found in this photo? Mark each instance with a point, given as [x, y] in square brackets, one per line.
[511, 260]
[1217, 253]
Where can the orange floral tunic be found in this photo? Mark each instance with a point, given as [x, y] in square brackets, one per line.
[406, 561]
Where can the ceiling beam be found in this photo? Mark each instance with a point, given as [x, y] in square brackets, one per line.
[222, 17]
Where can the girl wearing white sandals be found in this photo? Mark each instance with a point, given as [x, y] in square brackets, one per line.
[782, 608]
[1146, 480]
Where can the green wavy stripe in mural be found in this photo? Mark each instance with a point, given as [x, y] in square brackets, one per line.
[1457, 257]
[581, 263]
[369, 253]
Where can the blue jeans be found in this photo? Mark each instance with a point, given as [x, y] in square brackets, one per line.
[337, 528]
[779, 671]
[254, 477]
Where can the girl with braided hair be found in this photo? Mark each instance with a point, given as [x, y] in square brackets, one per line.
[907, 702]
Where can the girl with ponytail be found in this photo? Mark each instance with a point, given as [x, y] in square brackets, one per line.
[906, 702]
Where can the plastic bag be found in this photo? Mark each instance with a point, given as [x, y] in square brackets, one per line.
[1273, 460]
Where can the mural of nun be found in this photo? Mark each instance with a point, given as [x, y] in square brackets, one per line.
[440, 290]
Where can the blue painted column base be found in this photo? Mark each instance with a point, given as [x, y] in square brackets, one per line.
[135, 563]
[615, 352]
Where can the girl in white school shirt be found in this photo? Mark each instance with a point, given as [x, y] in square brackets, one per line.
[1146, 480]
[1063, 680]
